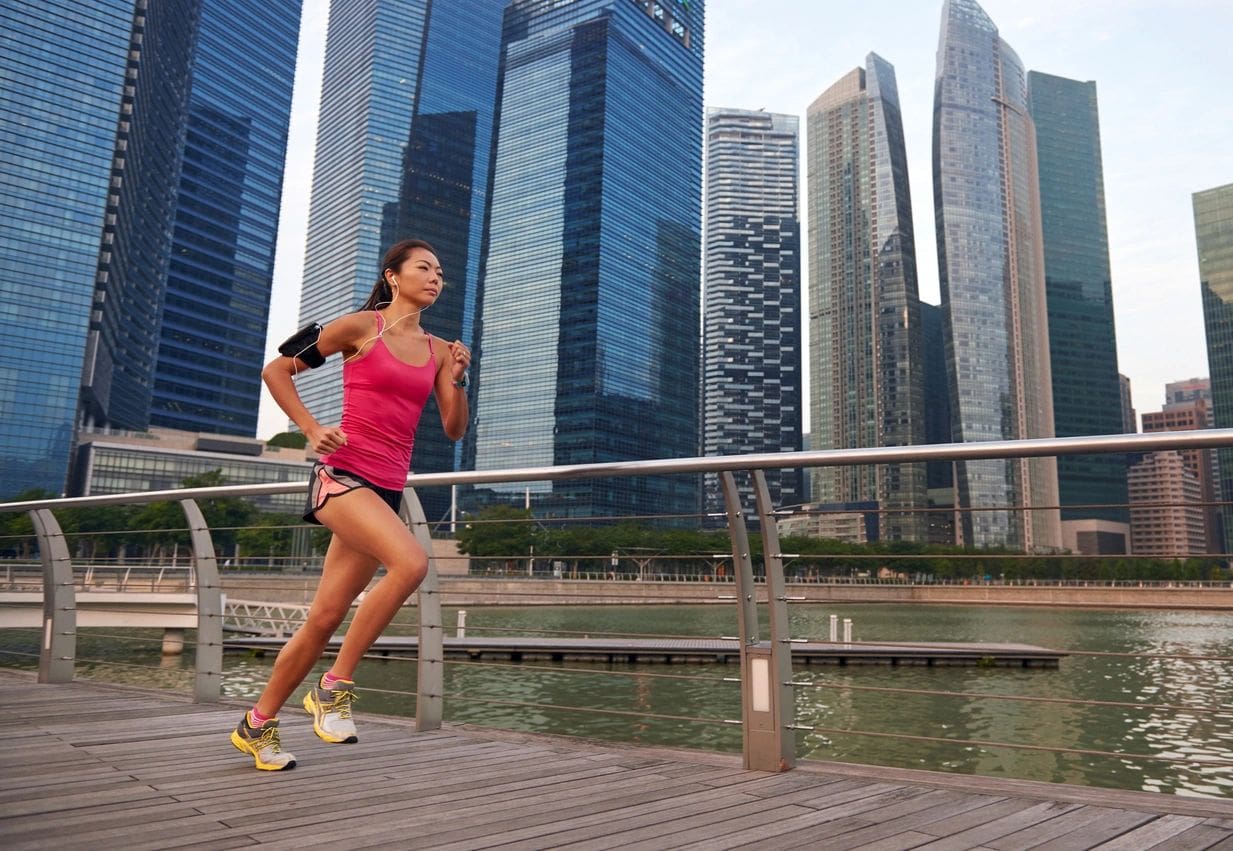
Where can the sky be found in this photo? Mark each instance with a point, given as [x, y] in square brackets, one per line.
[1165, 96]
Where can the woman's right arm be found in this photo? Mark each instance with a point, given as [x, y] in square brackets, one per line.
[342, 335]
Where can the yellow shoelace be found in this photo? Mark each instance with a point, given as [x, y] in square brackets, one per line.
[342, 703]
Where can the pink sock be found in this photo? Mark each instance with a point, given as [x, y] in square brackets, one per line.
[329, 679]
[256, 719]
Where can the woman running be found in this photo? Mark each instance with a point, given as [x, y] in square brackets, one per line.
[390, 366]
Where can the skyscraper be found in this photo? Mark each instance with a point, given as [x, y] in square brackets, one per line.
[1213, 225]
[56, 168]
[864, 311]
[1082, 341]
[97, 190]
[403, 150]
[373, 50]
[211, 340]
[588, 348]
[445, 186]
[990, 262]
[751, 362]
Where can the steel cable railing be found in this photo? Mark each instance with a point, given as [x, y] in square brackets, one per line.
[746, 585]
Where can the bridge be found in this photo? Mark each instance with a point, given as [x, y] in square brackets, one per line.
[82, 758]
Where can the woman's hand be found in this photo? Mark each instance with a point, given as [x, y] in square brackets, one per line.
[460, 359]
[326, 439]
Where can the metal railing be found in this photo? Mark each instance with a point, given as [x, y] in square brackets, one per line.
[766, 675]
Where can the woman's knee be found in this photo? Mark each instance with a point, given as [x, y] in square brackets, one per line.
[323, 621]
[409, 570]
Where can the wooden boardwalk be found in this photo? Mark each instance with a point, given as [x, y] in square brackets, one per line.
[92, 766]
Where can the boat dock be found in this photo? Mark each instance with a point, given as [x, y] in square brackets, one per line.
[699, 650]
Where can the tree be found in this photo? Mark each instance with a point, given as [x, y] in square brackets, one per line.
[288, 440]
[16, 528]
[498, 530]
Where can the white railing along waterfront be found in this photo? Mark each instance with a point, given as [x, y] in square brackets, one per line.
[766, 676]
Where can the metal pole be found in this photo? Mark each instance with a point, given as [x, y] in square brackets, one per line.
[429, 673]
[834, 628]
[783, 703]
[209, 656]
[59, 647]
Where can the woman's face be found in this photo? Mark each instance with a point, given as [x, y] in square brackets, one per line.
[419, 277]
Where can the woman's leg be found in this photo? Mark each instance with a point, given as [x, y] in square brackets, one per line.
[364, 522]
[345, 573]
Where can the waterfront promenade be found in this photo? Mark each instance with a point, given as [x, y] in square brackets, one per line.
[494, 591]
[96, 766]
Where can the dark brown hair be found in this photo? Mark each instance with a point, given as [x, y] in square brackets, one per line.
[394, 258]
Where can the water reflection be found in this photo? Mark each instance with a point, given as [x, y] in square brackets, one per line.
[523, 697]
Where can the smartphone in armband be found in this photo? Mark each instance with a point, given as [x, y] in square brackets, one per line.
[303, 345]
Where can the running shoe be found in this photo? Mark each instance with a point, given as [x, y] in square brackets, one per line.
[331, 711]
[262, 744]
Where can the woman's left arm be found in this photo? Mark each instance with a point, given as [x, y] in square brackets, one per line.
[453, 360]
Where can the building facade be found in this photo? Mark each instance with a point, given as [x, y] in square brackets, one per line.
[751, 349]
[868, 371]
[1166, 514]
[1213, 225]
[176, 140]
[373, 53]
[1130, 420]
[1188, 416]
[1082, 339]
[211, 340]
[589, 296]
[990, 262]
[56, 166]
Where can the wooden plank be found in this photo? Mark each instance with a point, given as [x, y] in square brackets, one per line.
[65, 823]
[1010, 823]
[1108, 826]
[604, 829]
[1151, 834]
[1197, 838]
[1038, 834]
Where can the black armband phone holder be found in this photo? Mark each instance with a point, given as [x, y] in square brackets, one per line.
[303, 345]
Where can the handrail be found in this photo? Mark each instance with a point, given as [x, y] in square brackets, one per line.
[986, 450]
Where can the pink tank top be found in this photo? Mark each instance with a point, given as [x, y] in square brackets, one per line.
[383, 398]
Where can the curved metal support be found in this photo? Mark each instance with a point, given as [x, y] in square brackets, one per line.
[209, 657]
[430, 667]
[742, 566]
[783, 703]
[59, 647]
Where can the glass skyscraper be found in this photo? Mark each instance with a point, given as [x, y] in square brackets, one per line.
[58, 124]
[588, 324]
[373, 50]
[143, 150]
[211, 340]
[1082, 343]
[1213, 227]
[864, 310]
[987, 207]
[751, 362]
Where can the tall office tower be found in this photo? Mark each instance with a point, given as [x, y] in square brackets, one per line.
[1166, 514]
[588, 342]
[1130, 420]
[1082, 341]
[990, 261]
[1188, 416]
[211, 340]
[56, 167]
[373, 50]
[445, 187]
[868, 371]
[130, 286]
[1213, 225]
[751, 361]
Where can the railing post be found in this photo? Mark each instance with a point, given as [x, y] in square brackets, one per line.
[759, 722]
[208, 659]
[59, 646]
[430, 664]
[783, 702]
